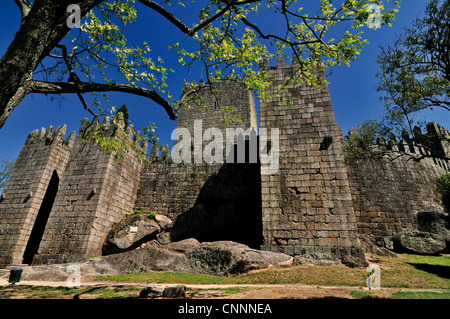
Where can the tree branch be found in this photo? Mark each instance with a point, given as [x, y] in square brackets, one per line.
[183, 27]
[73, 77]
[24, 7]
[83, 87]
[273, 36]
[166, 14]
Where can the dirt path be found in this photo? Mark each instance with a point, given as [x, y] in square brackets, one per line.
[251, 291]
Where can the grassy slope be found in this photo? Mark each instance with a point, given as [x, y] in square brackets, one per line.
[410, 271]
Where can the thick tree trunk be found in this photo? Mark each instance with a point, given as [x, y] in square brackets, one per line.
[42, 29]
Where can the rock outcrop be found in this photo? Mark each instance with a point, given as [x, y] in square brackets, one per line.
[134, 231]
[221, 258]
[419, 242]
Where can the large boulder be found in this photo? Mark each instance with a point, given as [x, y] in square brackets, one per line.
[436, 222]
[377, 246]
[135, 231]
[223, 258]
[182, 246]
[152, 291]
[157, 291]
[177, 291]
[418, 242]
[129, 234]
[190, 256]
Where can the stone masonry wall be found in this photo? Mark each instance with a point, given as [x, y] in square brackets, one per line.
[61, 198]
[388, 194]
[208, 201]
[307, 205]
[44, 153]
[96, 191]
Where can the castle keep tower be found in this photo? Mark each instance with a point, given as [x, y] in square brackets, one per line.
[307, 205]
[207, 201]
[27, 198]
[96, 191]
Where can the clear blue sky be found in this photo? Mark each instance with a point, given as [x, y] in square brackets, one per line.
[352, 89]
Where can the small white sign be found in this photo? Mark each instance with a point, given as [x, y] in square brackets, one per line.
[133, 229]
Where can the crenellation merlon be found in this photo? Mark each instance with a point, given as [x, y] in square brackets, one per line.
[129, 132]
[165, 153]
[434, 143]
[50, 136]
[154, 153]
[113, 128]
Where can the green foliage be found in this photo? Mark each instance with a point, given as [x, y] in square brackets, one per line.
[151, 215]
[221, 37]
[124, 110]
[415, 70]
[443, 188]
[5, 169]
[230, 47]
[359, 145]
[414, 76]
[135, 212]
[111, 135]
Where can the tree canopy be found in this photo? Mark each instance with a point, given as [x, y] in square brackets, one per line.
[80, 46]
[414, 75]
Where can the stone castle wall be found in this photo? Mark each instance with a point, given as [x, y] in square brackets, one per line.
[208, 201]
[42, 159]
[388, 195]
[307, 205]
[62, 197]
[96, 191]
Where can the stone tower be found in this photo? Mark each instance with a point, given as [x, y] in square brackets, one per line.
[28, 196]
[207, 201]
[307, 205]
[96, 191]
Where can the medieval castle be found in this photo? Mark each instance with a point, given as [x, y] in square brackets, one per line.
[64, 194]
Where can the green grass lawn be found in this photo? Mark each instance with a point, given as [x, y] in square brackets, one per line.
[410, 271]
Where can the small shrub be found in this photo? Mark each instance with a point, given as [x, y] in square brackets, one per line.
[135, 212]
[152, 215]
[443, 188]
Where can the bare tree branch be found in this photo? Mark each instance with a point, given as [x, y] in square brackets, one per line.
[73, 77]
[83, 87]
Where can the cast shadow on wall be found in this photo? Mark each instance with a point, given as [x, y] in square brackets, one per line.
[228, 207]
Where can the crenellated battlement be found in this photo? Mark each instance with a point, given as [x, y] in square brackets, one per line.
[51, 136]
[433, 144]
[155, 154]
[112, 128]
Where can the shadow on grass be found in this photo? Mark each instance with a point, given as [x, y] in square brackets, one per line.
[441, 271]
